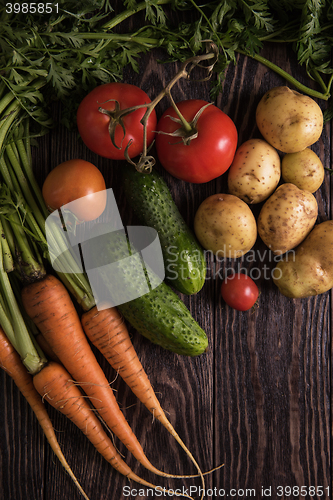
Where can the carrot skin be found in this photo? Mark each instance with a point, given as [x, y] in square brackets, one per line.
[11, 363]
[107, 331]
[49, 305]
[45, 346]
[55, 386]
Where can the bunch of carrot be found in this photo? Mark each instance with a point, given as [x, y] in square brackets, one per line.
[11, 363]
[22, 245]
[63, 331]
[70, 372]
[58, 381]
[54, 384]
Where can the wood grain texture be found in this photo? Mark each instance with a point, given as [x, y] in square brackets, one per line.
[259, 401]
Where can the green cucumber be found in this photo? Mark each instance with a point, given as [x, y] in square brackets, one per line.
[159, 315]
[150, 198]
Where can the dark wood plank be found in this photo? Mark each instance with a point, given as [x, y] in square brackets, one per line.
[257, 401]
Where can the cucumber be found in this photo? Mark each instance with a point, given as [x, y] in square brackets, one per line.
[159, 315]
[150, 198]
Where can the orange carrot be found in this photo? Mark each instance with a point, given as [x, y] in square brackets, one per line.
[45, 347]
[49, 305]
[56, 386]
[107, 331]
[11, 363]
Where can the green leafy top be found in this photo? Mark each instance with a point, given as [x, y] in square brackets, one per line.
[85, 44]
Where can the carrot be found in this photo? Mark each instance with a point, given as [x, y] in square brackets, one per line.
[45, 346]
[107, 331]
[56, 386]
[11, 363]
[49, 305]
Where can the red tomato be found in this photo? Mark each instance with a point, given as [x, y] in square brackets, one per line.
[239, 291]
[93, 125]
[207, 156]
[71, 181]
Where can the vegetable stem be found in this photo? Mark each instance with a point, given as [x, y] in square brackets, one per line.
[11, 113]
[14, 326]
[321, 81]
[23, 184]
[287, 76]
[120, 18]
[146, 162]
[29, 231]
[7, 245]
[5, 101]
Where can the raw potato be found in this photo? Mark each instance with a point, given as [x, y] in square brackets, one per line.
[304, 169]
[310, 271]
[225, 225]
[288, 120]
[255, 171]
[286, 218]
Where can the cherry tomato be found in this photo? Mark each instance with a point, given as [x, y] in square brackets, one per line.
[239, 291]
[71, 181]
[208, 155]
[93, 124]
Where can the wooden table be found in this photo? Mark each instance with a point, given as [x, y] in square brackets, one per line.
[258, 401]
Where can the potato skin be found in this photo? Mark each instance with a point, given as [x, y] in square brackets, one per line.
[225, 225]
[310, 272]
[304, 169]
[255, 171]
[288, 120]
[286, 218]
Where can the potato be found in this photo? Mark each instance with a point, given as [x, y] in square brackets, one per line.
[288, 120]
[304, 169]
[310, 270]
[225, 225]
[255, 171]
[286, 218]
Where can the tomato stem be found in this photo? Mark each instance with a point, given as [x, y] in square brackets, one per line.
[116, 118]
[187, 127]
[188, 130]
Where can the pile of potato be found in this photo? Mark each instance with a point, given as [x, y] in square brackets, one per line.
[224, 223]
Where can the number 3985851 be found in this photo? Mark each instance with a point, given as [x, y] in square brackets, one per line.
[31, 8]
